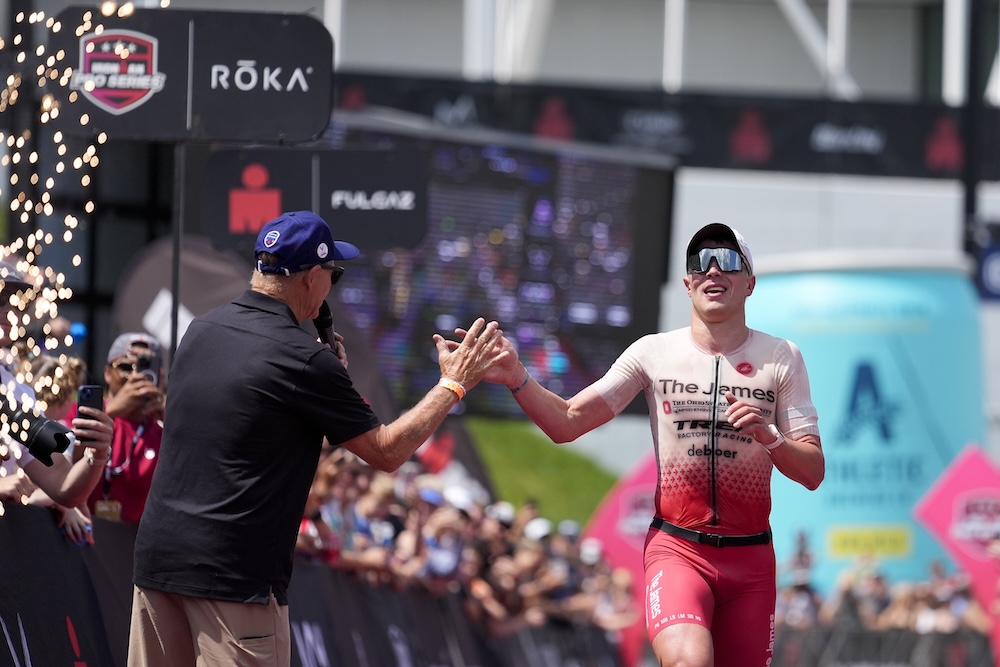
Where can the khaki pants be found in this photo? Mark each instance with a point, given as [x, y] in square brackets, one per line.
[180, 631]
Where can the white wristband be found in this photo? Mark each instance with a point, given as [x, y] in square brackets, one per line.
[779, 438]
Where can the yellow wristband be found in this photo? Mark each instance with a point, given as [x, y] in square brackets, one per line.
[451, 385]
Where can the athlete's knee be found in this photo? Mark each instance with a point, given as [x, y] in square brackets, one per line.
[684, 645]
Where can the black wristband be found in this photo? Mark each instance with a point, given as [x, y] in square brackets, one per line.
[524, 383]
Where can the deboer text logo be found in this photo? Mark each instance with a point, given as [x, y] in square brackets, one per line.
[117, 70]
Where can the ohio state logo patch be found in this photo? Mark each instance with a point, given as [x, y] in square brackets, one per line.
[117, 70]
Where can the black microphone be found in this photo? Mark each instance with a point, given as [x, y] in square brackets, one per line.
[324, 326]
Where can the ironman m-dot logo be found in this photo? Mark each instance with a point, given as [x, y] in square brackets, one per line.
[117, 70]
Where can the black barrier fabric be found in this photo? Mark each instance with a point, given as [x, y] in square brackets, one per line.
[109, 564]
[812, 135]
[68, 605]
[470, 638]
[318, 635]
[893, 648]
[49, 614]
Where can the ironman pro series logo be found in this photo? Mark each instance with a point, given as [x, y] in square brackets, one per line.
[117, 70]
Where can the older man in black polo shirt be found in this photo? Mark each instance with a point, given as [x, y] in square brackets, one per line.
[252, 394]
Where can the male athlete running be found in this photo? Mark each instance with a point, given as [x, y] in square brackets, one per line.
[726, 403]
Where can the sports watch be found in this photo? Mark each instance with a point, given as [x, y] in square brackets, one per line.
[780, 438]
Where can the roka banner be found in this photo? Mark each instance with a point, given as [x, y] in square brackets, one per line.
[176, 75]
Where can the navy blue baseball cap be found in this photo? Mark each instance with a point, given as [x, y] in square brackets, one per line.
[299, 240]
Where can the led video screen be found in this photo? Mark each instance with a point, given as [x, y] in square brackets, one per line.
[565, 249]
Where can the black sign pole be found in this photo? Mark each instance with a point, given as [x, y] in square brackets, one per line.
[970, 129]
[180, 167]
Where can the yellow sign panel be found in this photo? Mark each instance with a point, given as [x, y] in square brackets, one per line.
[889, 540]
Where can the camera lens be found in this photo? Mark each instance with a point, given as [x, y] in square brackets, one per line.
[43, 437]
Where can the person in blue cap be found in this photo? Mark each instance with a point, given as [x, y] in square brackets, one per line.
[252, 395]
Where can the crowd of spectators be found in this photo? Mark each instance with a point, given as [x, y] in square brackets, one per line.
[511, 567]
[864, 599]
[516, 569]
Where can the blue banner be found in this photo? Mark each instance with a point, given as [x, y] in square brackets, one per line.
[894, 360]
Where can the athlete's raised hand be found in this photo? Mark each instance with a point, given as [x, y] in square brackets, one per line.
[748, 418]
[508, 370]
[470, 360]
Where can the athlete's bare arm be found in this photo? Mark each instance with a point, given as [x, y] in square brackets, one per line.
[801, 460]
[563, 420]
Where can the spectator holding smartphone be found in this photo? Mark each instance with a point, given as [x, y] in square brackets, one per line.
[26, 468]
[135, 401]
[55, 380]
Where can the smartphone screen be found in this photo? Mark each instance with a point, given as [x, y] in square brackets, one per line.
[92, 396]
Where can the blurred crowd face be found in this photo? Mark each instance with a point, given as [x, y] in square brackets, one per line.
[120, 369]
[54, 379]
[13, 320]
[376, 502]
[490, 528]
[529, 555]
[472, 564]
[504, 573]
